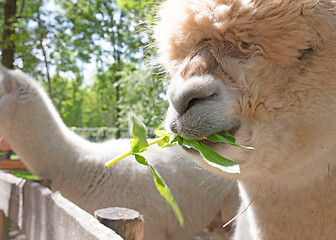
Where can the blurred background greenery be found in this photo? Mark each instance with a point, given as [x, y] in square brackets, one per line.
[93, 57]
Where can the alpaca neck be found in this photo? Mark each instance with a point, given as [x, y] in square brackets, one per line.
[285, 210]
[43, 142]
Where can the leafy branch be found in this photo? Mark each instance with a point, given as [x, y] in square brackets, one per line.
[140, 144]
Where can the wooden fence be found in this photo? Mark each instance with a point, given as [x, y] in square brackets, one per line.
[44, 215]
[12, 164]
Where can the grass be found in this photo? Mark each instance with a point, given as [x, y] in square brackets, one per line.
[14, 157]
[25, 174]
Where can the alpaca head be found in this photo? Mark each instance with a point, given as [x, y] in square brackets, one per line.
[11, 93]
[263, 70]
[20, 102]
[29, 122]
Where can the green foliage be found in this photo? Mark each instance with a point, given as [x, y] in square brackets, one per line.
[162, 187]
[145, 8]
[139, 144]
[143, 94]
[226, 137]
[122, 83]
[210, 156]
[139, 134]
[96, 134]
[55, 44]
[25, 174]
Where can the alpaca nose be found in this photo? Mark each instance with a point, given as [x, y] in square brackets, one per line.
[184, 94]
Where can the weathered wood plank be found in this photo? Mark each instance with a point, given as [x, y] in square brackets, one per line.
[48, 215]
[12, 165]
[43, 215]
[11, 197]
[4, 227]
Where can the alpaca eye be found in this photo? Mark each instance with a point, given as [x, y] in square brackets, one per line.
[304, 53]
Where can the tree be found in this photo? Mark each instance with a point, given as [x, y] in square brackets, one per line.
[55, 45]
[103, 23]
[143, 94]
[8, 36]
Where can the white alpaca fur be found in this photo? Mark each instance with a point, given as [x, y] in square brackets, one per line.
[49, 149]
[266, 71]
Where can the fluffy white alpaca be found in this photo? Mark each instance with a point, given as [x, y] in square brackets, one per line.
[49, 149]
[266, 71]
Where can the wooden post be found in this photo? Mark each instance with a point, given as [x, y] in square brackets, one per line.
[127, 223]
[4, 226]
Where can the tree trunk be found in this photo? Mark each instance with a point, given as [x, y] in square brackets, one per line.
[117, 69]
[117, 108]
[43, 33]
[8, 44]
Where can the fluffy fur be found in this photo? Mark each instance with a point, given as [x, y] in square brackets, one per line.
[76, 167]
[266, 71]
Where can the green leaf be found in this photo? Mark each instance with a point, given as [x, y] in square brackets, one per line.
[211, 157]
[140, 159]
[173, 139]
[225, 137]
[139, 133]
[162, 188]
[140, 144]
[228, 136]
[165, 192]
[179, 140]
[163, 143]
[169, 140]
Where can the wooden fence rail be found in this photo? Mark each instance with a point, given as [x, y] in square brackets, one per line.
[12, 165]
[44, 215]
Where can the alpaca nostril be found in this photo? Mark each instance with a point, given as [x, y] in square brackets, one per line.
[194, 101]
[183, 103]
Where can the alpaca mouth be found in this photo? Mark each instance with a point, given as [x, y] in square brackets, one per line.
[232, 131]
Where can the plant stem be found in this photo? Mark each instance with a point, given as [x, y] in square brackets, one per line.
[117, 159]
[114, 160]
[157, 140]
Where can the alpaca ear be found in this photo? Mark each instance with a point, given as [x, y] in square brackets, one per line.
[6, 80]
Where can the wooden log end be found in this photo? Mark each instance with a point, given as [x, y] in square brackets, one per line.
[128, 223]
